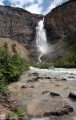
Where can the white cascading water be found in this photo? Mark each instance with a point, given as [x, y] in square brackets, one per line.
[41, 39]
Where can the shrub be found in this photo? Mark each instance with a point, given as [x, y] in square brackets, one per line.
[3, 88]
[13, 115]
[18, 114]
[11, 67]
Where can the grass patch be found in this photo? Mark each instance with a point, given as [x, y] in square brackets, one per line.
[43, 65]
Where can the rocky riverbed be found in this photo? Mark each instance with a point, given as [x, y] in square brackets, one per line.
[44, 94]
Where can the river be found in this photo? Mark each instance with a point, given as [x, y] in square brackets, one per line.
[62, 81]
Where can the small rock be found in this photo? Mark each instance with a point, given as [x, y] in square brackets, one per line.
[32, 80]
[29, 74]
[71, 77]
[40, 78]
[48, 78]
[44, 92]
[71, 74]
[64, 79]
[57, 85]
[28, 81]
[54, 94]
[66, 88]
[24, 86]
[35, 74]
[72, 95]
[55, 77]
[32, 86]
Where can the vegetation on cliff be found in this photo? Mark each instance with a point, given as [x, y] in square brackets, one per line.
[11, 67]
[69, 42]
[69, 59]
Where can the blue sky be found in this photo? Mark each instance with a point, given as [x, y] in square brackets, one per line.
[34, 6]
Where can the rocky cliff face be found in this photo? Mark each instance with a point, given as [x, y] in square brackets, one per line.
[58, 23]
[61, 21]
[19, 25]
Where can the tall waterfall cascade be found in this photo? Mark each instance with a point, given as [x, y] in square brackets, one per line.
[41, 39]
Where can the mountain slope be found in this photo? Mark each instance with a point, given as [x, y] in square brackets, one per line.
[15, 47]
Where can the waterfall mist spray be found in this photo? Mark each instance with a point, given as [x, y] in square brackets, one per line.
[41, 39]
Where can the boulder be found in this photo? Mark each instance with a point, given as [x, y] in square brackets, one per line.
[45, 108]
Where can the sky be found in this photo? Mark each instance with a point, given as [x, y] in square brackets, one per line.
[34, 6]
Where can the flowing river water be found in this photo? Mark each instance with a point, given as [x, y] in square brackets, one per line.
[24, 92]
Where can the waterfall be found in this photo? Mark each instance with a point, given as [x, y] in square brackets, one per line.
[41, 39]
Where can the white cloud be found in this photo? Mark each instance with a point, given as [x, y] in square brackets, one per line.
[53, 5]
[20, 2]
[35, 8]
[40, 2]
[24, 2]
[34, 5]
[1, 2]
